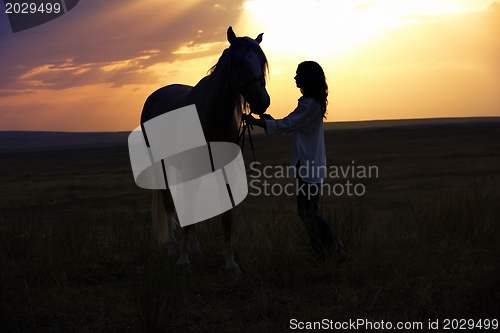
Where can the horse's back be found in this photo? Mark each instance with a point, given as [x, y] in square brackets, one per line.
[165, 99]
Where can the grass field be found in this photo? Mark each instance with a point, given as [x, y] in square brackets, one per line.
[77, 253]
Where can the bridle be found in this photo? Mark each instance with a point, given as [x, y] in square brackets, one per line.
[243, 126]
[242, 83]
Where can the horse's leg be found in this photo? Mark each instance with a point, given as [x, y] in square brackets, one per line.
[189, 192]
[227, 224]
[171, 243]
[163, 219]
[159, 217]
[194, 245]
[183, 262]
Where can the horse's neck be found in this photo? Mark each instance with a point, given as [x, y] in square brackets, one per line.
[216, 102]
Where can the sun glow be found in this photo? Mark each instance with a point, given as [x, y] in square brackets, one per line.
[351, 40]
[325, 29]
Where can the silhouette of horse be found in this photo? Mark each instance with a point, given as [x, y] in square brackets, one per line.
[235, 83]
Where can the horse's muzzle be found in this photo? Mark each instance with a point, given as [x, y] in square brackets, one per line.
[260, 105]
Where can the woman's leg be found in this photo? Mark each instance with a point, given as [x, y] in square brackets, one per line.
[323, 240]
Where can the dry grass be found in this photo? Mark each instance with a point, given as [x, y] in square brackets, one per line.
[76, 250]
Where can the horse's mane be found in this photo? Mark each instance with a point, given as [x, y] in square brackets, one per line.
[225, 62]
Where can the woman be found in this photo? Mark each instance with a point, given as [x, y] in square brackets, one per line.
[308, 155]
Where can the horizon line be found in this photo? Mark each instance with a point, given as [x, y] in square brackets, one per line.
[340, 122]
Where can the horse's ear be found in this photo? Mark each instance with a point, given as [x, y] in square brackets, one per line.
[259, 38]
[231, 37]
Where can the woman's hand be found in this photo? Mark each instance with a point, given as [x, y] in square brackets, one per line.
[250, 120]
[266, 116]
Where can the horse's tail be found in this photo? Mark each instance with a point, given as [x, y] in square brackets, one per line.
[159, 217]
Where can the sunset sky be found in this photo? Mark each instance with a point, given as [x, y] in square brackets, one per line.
[92, 69]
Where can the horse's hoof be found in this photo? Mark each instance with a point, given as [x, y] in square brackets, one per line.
[233, 270]
[183, 268]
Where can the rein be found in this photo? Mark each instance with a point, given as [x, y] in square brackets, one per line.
[241, 136]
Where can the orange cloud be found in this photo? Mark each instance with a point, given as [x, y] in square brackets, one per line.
[111, 36]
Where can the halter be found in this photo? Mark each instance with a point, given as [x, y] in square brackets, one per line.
[243, 126]
[243, 83]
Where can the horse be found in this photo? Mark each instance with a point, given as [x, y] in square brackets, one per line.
[235, 83]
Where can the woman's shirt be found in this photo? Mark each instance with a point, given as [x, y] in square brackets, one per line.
[308, 148]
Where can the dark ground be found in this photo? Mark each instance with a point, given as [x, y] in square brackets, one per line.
[76, 252]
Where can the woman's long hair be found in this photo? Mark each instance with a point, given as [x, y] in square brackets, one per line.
[313, 83]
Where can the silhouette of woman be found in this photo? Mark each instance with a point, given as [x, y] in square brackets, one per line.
[308, 156]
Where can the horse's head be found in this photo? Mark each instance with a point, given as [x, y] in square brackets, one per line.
[248, 71]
